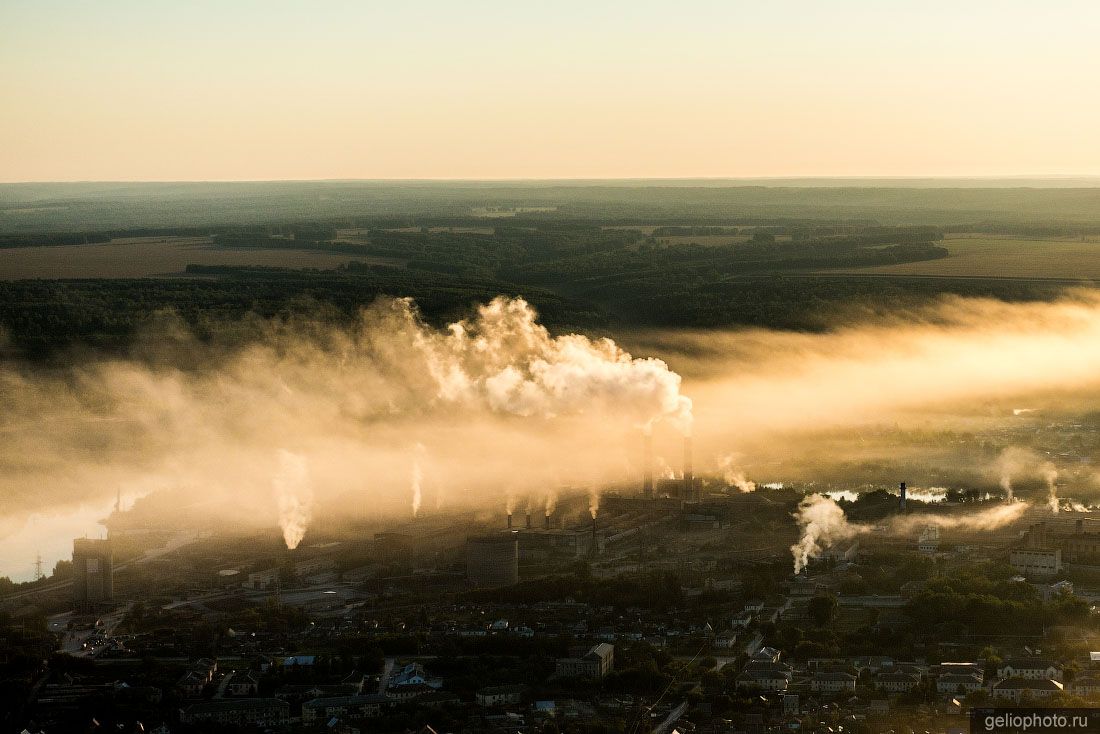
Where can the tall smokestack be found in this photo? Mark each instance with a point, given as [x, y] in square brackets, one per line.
[528, 520]
[901, 501]
[689, 475]
[647, 467]
[509, 521]
[592, 550]
[547, 521]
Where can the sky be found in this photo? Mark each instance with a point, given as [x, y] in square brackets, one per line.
[239, 90]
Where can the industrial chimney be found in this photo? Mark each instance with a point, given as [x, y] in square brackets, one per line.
[901, 500]
[528, 520]
[547, 516]
[509, 521]
[689, 476]
[647, 467]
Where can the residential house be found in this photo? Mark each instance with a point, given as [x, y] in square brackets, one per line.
[896, 682]
[319, 710]
[950, 684]
[1031, 668]
[1014, 689]
[238, 712]
[501, 695]
[832, 682]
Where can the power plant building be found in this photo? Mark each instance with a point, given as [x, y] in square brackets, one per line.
[492, 560]
[93, 572]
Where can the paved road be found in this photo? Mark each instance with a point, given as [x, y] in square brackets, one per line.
[386, 671]
[224, 684]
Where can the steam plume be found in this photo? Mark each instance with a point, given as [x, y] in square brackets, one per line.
[821, 523]
[1050, 476]
[733, 476]
[417, 479]
[490, 394]
[294, 497]
[506, 359]
[1015, 462]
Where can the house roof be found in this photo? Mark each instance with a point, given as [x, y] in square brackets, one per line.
[236, 704]
[347, 701]
[1013, 684]
[501, 690]
[960, 677]
[1028, 664]
[897, 678]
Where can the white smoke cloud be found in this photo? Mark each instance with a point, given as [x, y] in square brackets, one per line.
[491, 397]
[663, 469]
[551, 503]
[1050, 476]
[821, 523]
[483, 395]
[294, 496]
[504, 358]
[734, 476]
[989, 518]
[417, 478]
[1015, 462]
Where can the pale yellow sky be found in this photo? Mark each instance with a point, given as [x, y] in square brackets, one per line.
[303, 90]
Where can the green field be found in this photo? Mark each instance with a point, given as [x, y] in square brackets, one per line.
[143, 257]
[992, 256]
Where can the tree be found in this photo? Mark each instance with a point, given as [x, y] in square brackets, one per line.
[822, 609]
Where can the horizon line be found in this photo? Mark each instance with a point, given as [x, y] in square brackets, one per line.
[654, 179]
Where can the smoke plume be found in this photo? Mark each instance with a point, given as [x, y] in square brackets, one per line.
[1016, 462]
[294, 497]
[821, 523]
[495, 396]
[734, 476]
[417, 478]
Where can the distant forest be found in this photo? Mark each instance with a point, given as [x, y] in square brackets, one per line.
[592, 258]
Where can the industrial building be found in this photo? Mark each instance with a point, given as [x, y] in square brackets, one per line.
[93, 572]
[1036, 561]
[597, 662]
[492, 560]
